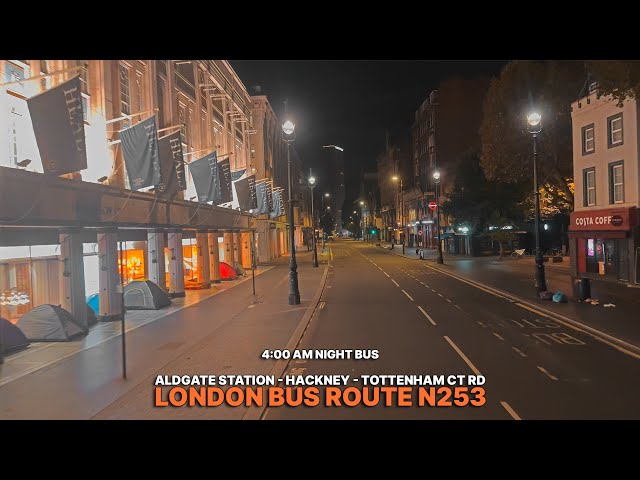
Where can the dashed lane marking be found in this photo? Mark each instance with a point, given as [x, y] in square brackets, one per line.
[542, 369]
[395, 282]
[252, 306]
[426, 315]
[448, 300]
[511, 411]
[409, 296]
[322, 304]
[440, 295]
[386, 274]
[498, 335]
[519, 351]
[464, 357]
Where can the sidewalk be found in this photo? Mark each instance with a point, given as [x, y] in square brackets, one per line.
[517, 277]
[221, 333]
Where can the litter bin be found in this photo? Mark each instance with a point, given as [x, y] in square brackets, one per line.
[582, 288]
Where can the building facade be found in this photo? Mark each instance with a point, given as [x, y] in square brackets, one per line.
[604, 234]
[65, 238]
[333, 181]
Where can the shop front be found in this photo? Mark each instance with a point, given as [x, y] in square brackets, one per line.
[604, 244]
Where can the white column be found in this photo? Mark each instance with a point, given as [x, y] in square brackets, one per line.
[203, 272]
[110, 296]
[72, 271]
[156, 271]
[214, 258]
[176, 265]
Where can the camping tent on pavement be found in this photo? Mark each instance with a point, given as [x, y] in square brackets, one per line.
[227, 272]
[144, 295]
[11, 337]
[50, 323]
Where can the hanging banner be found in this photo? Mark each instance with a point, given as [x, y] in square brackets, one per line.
[140, 151]
[215, 193]
[172, 173]
[261, 195]
[58, 124]
[224, 173]
[278, 204]
[201, 173]
[269, 194]
[246, 193]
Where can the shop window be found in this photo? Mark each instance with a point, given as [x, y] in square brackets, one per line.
[616, 182]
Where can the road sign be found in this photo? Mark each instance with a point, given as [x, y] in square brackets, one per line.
[433, 205]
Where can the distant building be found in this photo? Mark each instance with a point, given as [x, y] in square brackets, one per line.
[333, 169]
[445, 126]
[604, 236]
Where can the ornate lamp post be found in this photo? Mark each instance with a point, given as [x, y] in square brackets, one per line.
[534, 123]
[288, 135]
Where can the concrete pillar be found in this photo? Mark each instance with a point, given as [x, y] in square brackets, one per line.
[176, 265]
[238, 244]
[203, 268]
[72, 271]
[156, 271]
[109, 293]
[230, 256]
[214, 258]
[245, 238]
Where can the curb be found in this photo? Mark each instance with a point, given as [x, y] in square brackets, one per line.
[281, 365]
[620, 345]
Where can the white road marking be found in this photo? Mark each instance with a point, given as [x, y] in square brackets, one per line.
[481, 324]
[519, 351]
[464, 357]
[380, 268]
[511, 411]
[322, 304]
[448, 300]
[426, 315]
[552, 377]
[498, 336]
[433, 290]
[395, 282]
[386, 274]
[410, 298]
[440, 294]
[458, 307]
[252, 306]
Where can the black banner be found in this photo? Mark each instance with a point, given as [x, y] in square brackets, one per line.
[269, 197]
[224, 173]
[215, 193]
[58, 124]
[172, 173]
[261, 196]
[140, 150]
[202, 179]
[246, 193]
[278, 206]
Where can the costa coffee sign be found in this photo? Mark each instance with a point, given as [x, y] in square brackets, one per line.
[609, 219]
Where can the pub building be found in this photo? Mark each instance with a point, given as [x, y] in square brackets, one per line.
[604, 229]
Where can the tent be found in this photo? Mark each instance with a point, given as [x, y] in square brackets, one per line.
[50, 323]
[144, 295]
[11, 337]
[239, 269]
[94, 302]
[227, 272]
[92, 318]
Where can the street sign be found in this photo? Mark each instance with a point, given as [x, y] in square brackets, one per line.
[433, 205]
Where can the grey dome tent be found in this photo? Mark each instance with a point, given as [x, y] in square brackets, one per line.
[144, 295]
[50, 323]
[92, 319]
[11, 337]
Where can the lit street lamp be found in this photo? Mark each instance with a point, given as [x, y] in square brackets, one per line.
[436, 180]
[288, 136]
[395, 178]
[534, 121]
[312, 184]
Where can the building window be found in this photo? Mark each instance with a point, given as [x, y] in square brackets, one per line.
[616, 182]
[615, 136]
[84, 75]
[160, 88]
[589, 182]
[588, 140]
[125, 97]
[139, 92]
[182, 119]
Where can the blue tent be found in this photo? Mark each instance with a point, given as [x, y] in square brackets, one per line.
[94, 302]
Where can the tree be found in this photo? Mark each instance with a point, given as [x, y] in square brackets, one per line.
[548, 87]
[478, 202]
[618, 78]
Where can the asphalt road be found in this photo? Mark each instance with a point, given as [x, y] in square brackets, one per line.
[535, 368]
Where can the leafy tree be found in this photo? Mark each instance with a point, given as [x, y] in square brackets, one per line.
[479, 202]
[618, 78]
[548, 87]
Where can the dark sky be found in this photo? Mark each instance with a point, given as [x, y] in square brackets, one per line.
[350, 103]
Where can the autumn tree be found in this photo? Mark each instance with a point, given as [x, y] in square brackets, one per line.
[618, 78]
[548, 87]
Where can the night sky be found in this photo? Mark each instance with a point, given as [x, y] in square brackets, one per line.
[350, 103]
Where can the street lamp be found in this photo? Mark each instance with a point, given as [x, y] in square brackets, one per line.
[312, 184]
[436, 180]
[288, 129]
[534, 121]
[396, 178]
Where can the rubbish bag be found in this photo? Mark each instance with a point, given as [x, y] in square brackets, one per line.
[546, 295]
[560, 297]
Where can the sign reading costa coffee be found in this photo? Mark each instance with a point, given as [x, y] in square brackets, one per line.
[611, 219]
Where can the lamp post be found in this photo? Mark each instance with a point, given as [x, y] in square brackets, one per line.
[534, 121]
[436, 180]
[314, 256]
[396, 178]
[324, 212]
[288, 129]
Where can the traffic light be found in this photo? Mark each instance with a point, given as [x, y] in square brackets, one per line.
[373, 231]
